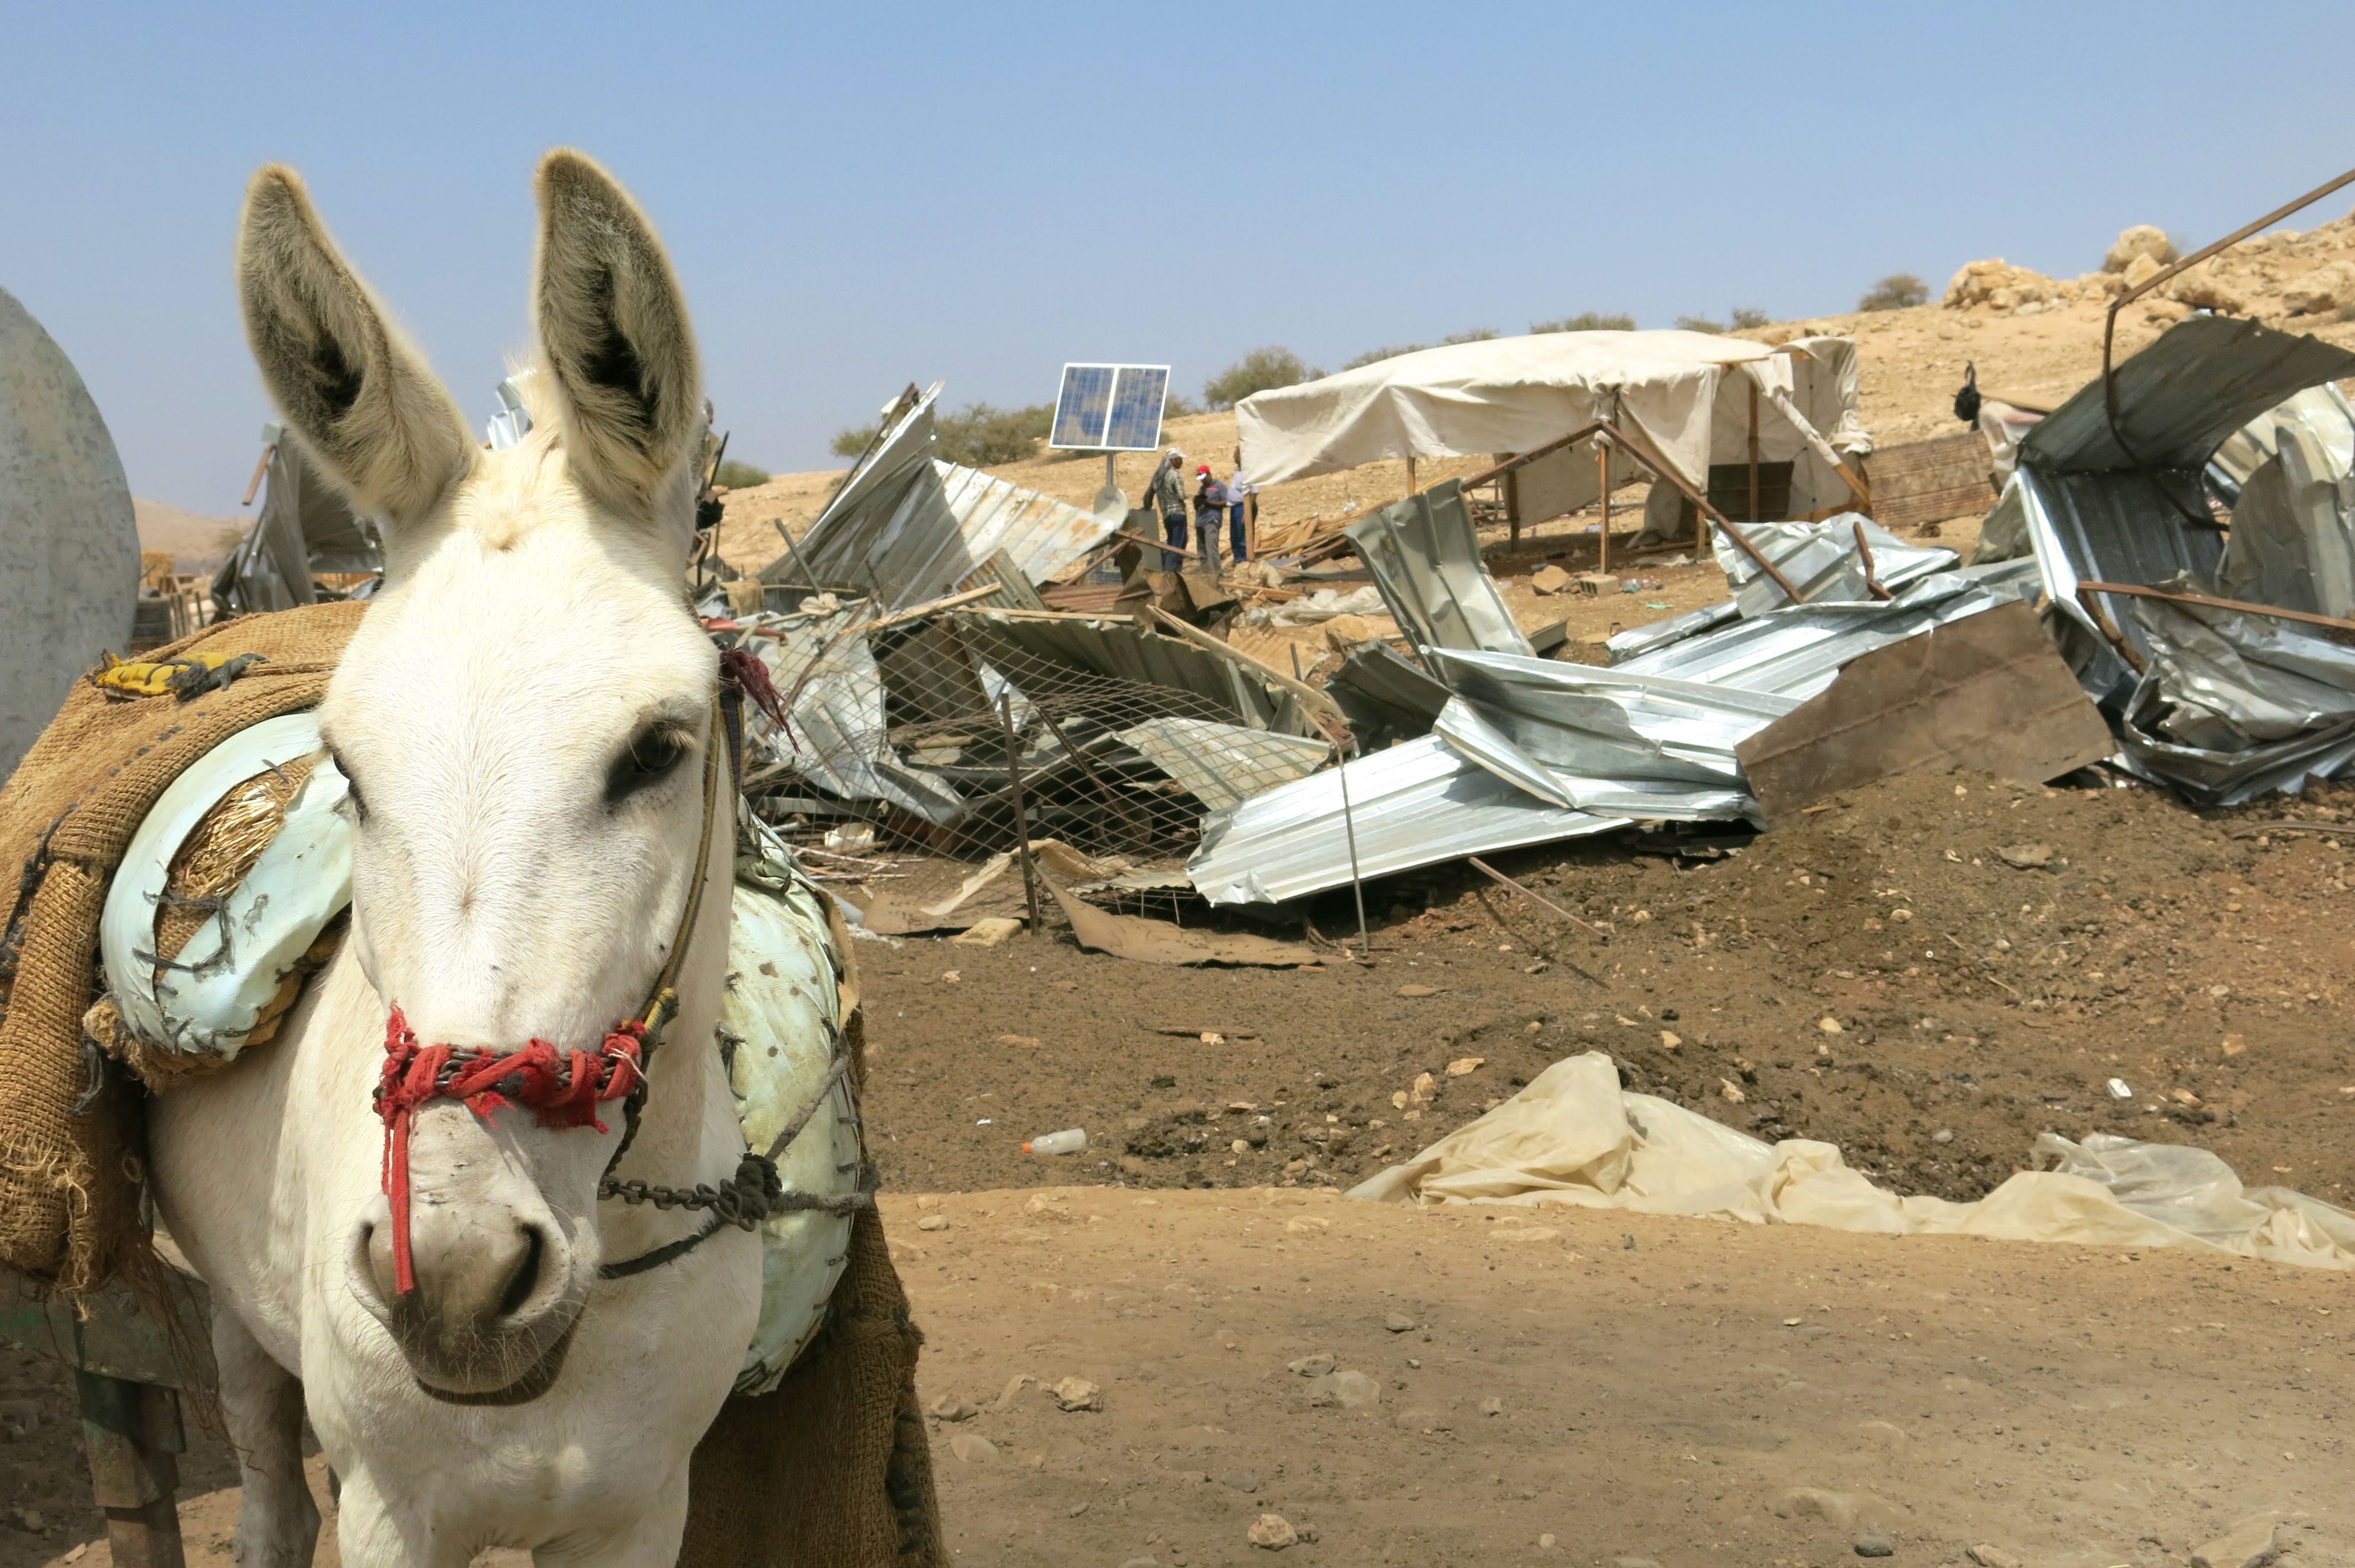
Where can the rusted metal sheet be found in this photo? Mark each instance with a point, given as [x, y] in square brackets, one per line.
[1989, 692]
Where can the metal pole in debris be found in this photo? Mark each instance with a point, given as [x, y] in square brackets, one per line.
[1021, 819]
[1349, 827]
[808, 578]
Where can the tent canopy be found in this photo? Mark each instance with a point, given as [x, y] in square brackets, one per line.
[1687, 391]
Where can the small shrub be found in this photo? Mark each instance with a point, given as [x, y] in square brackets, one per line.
[981, 435]
[735, 475]
[1589, 321]
[1899, 290]
[1748, 317]
[849, 443]
[1376, 355]
[1257, 371]
[1477, 334]
[1177, 405]
[1699, 323]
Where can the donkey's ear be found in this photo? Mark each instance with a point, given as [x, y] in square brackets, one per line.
[359, 394]
[613, 326]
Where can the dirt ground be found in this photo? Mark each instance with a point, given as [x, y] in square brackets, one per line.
[1977, 1004]
[1586, 1390]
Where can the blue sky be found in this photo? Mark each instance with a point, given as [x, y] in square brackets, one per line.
[858, 197]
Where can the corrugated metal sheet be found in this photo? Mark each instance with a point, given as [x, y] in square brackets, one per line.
[1605, 724]
[2235, 705]
[1795, 652]
[2179, 398]
[1426, 561]
[1044, 536]
[2293, 540]
[1821, 561]
[1636, 640]
[837, 739]
[1418, 803]
[1470, 732]
[2112, 527]
[906, 527]
[1384, 697]
[1223, 765]
[1060, 655]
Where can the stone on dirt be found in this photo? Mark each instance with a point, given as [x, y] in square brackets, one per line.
[1353, 1390]
[986, 933]
[1400, 1323]
[948, 1407]
[1317, 1365]
[1272, 1532]
[1988, 1556]
[1077, 1394]
[1550, 580]
[2252, 1544]
[972, 1447]
[1872, 1543]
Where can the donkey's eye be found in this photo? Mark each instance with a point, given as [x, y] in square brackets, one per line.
[352, 803]
[652, 756]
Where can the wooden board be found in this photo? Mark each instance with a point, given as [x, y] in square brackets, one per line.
[1920, 482]
[1989, 692]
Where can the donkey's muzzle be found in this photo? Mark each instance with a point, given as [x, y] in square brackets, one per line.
[489, 1298]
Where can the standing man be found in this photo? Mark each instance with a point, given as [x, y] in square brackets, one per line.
[1165, 492]
[1209, 511]
[1242, 509]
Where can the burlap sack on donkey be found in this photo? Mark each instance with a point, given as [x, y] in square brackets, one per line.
[69, 1180]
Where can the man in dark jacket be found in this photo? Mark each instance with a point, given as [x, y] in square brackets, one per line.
[1165, 492]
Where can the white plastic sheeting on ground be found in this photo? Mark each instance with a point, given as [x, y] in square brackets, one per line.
[1575, 1136]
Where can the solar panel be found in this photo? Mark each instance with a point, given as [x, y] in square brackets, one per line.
[1110, 408]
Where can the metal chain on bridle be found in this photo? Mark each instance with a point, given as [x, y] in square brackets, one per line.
[566, 1087]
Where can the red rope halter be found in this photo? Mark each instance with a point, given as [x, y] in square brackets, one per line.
[563, 1087]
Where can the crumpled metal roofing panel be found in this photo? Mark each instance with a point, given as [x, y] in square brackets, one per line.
[1033, 651]
[1222, 764]
[1418, 803]
[1470, 732]
[1426, 559]
[2179, 398]
[1607, 724]
[906, 527]
[1821, 561]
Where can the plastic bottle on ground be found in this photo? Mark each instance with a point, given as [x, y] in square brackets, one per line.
[1071, 1140]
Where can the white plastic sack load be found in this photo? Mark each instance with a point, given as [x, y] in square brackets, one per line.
[1575, 1136]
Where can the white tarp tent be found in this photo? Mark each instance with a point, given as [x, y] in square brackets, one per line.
[1687, 392]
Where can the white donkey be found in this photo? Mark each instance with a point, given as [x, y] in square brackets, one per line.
[526, 719]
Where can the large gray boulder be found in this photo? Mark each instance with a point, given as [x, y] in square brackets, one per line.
[69, 544]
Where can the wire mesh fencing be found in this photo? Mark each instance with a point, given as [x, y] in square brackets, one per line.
[959, 733]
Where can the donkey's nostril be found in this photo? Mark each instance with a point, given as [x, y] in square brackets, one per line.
[527, 1272]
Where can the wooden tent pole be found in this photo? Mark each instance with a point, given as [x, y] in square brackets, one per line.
[1753, 447]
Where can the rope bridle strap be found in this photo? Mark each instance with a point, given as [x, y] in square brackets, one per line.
[564, 1088]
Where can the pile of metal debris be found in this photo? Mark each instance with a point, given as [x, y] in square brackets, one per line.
[2162, 591]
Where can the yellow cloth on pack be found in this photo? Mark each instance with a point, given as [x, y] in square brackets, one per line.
[182, 677]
